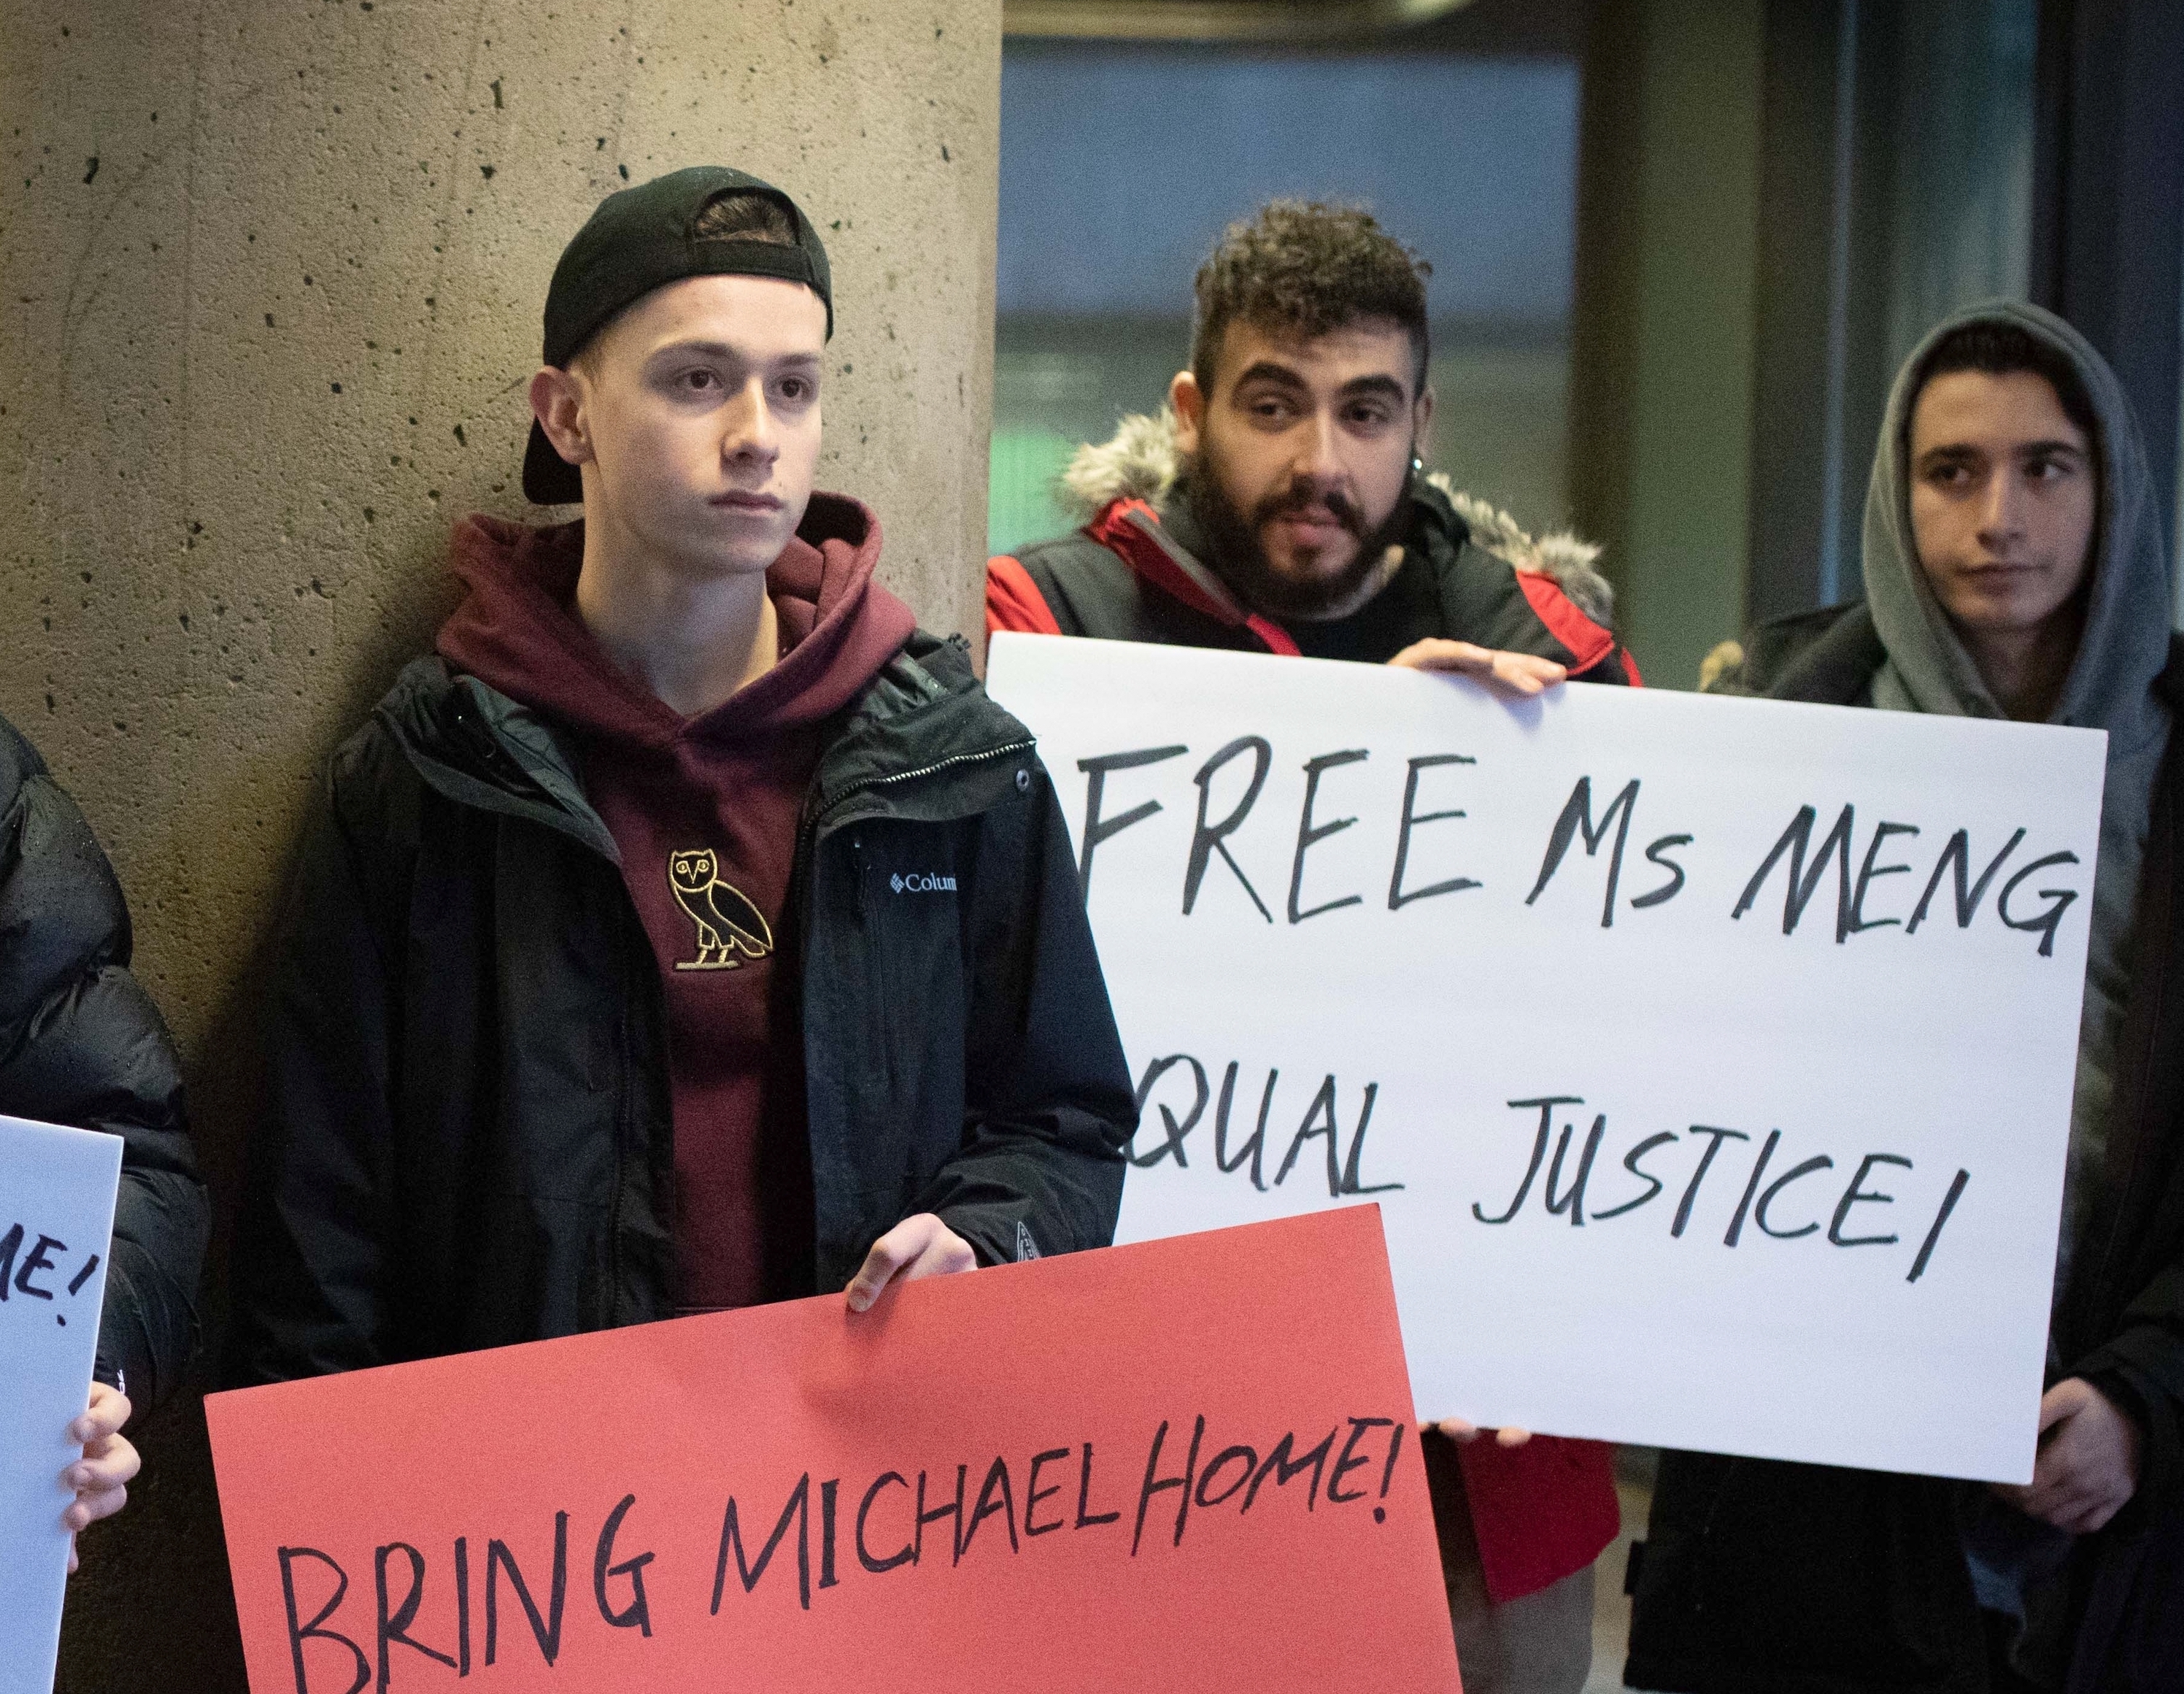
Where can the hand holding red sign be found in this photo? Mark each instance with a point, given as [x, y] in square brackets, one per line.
[1187, 1465]
[918, 1247]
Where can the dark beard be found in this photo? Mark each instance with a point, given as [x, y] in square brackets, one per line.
[1233, 552]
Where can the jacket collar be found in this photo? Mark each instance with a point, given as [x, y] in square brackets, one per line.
[1132, 530]
[1838, 667]
[1140, 464]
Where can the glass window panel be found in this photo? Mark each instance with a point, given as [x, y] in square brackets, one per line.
[1121, 165]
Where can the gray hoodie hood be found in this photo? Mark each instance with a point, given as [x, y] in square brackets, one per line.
[2127, 639]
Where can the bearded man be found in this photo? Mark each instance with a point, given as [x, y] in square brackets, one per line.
[1279, 504]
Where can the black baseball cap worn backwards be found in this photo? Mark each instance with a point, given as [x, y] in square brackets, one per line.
[642, 238]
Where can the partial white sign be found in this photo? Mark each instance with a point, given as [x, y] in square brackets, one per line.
[1711, 1060]
[56, 1189]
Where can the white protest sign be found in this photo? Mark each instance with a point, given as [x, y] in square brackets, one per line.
[57, 1188]
[1711, 1060]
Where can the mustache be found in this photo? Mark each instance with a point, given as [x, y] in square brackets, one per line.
[1344, 510]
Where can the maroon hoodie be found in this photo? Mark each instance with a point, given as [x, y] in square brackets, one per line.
[704, 810]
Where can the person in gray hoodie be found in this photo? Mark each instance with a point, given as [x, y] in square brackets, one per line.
[2014, 568]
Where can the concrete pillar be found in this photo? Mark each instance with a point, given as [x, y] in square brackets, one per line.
[273, 272]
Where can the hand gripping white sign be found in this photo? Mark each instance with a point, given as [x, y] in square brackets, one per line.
[57, 1190]
[1711, 1060]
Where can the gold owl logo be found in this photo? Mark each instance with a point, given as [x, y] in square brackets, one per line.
[728, 924]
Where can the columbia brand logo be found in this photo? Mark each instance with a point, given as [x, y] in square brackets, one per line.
[922, 883]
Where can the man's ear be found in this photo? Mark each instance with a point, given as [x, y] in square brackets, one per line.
[1422, 424]
[1187, 401]
[557, 401]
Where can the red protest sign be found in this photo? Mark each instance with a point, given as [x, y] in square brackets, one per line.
[1187, 1465]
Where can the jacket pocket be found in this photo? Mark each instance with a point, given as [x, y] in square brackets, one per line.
[911, 974]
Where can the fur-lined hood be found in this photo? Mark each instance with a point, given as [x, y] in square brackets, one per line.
[1140, 461]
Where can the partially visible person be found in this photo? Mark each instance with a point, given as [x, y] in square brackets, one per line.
[2014, 568]
[85, 1047]
[1279, 505]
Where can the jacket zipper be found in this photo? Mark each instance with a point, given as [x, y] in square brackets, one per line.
[953, 758]
[625, 1139]
[817, 816]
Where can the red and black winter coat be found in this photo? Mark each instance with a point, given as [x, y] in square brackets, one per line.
[1134, 572]
[1543, 1511]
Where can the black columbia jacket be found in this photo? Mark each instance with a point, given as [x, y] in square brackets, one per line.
[470, 1141]
[81, 1045]
[1759, 1577]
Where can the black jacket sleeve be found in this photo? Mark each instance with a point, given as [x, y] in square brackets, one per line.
[1048, 1099]
[313, 1236]
[81, 1045]
[2142, 1369]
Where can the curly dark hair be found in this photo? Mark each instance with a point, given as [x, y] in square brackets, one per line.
[1304, 268]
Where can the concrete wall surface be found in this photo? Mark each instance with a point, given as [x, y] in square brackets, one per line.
[273, 272]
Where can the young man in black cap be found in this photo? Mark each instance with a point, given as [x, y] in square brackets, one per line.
[690, 931]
